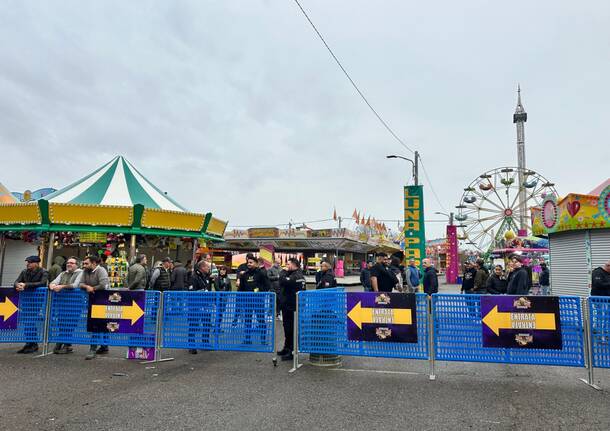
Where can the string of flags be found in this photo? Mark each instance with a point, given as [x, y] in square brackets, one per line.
[363, 220]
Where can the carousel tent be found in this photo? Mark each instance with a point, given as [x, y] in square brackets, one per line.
[116, 198]
[117, 182]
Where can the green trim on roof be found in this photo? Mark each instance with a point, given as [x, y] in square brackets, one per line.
[137, 194]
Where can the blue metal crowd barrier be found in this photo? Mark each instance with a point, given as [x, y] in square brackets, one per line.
[240, 321]
[458, 334]
[322, 328]
[31, 319]
[599, 321]
[68, 321]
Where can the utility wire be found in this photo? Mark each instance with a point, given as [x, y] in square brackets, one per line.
[381, 120]
[373, 110]
[431, 186]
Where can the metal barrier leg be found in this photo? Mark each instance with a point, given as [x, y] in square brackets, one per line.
[159, 334]
[431, 353]
[47, 324]
[588, 346]
[295, 343]
[274, 342]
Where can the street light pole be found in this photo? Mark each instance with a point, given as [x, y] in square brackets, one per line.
[416, 168]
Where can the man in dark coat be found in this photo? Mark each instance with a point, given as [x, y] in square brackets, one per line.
[178, 277]
[253, 280]
[430, 280]
[199, 318]
[292, 281]
[468, 278]
[31, 277]
[600, 281]
[325, 278]
[365, 277]
[519, 281]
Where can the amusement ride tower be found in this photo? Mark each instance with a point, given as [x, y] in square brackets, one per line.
[519, 118]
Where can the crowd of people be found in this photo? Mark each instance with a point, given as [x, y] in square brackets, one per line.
[515, 280]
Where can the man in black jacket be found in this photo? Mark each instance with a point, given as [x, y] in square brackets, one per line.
[199, 317]
[254, 279]
[365, 277]
[292, 281]
[468, 278]
[178, 277]
[430, 280]
[31, 277]
[325, 278]
[545, 279]
[519, 281]
[600, 281]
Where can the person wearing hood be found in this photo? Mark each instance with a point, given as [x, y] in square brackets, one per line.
[178, 278]
[31, 277]
[325, 277]
[57, 267]
[430, 279]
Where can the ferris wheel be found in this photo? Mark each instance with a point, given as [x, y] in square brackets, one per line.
[498, 201]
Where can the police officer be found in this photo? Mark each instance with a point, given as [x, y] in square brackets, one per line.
[254, 279]
[199, 317]
[291, 282]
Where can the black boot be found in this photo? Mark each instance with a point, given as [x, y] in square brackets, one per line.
[285, 351]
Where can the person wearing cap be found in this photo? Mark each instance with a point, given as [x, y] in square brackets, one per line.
[31, 277]
[161, 277]
[519, 280]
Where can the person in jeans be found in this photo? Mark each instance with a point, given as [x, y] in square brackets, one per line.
[545, 279]
[69, 279]
[94, 277]
[413, 277]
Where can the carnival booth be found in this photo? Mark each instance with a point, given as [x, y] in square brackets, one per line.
[578, 229]
[115, 212]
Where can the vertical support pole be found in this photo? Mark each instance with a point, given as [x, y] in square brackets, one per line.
[274, 320]
[50, 250]
[47, 324]
[295, 343]
[132, 248]
[159, 333]
[431, 352]
[588, 344]
[2, 252]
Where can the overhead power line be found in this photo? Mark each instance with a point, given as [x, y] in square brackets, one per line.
[373, 110]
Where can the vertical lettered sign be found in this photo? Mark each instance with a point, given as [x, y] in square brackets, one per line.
[415, 234]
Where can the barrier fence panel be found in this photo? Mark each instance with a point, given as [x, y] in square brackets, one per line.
[32, 306]
[238, 321]
[323, 328]
[68, 321]
[599, 321]
[458, 334]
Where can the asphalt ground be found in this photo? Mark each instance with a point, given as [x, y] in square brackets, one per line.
[244, 391]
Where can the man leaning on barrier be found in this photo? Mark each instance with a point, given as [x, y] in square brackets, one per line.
[68, 279]
[254, 279]
[291, 281]
[31, 277]
[94, 278]
[199, 317]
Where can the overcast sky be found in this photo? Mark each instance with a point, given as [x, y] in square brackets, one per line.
[236, 107]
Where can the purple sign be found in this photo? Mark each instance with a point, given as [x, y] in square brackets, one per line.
[120, 311]
[9, 308]
[381, 316]
[530, 322]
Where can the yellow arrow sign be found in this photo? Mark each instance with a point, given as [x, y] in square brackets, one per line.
[497, 320]
[390, 316]
[7, 308]
[131, 312]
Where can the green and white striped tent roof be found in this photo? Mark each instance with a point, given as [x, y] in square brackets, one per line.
[118, 182]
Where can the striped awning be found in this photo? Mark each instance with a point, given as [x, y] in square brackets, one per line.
[119, 183]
